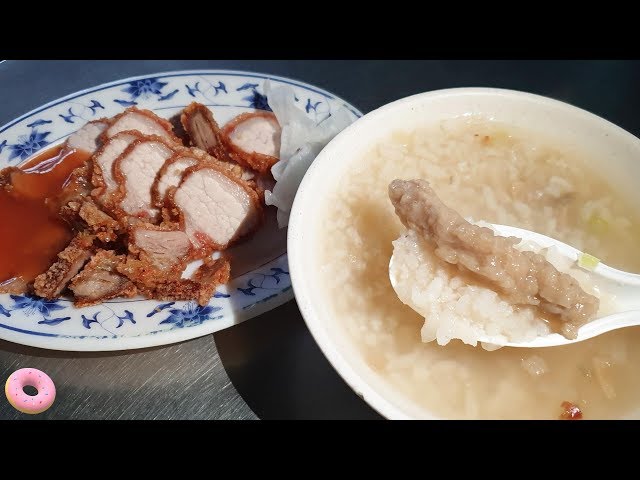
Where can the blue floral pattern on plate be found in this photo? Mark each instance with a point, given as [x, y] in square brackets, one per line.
[136, 323]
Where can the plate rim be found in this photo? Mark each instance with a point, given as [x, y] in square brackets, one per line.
[114, 83]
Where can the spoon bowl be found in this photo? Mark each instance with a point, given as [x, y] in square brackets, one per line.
[622, 287]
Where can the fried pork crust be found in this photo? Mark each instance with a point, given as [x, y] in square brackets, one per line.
[117, 254]
[259, 162]
[99, 280]
[53, 282]
[144, 121]
[163, 284]
[175, 167]
[183, 210]
[102, 179]
[203, 131]
[143, 158]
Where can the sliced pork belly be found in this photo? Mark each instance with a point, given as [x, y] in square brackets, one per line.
[51, 283]
[87, 137]
[171, 172]
[100, 280]
[215, 208]
[143, 121]
[135, 172]
[78, 186]
[201, 286]
[203, 131]
[253, 140]
[157, 262]
[169, 176]
[155, 283]
[103, 180]
[163, 247]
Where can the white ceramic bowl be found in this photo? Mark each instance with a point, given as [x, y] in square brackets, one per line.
[617, 150]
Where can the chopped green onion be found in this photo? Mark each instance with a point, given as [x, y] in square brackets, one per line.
[597, 224]
[588, 262]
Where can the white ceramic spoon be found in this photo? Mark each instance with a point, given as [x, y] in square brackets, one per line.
[624, 286]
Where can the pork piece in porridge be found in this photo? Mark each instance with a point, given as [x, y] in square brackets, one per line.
[523, 277]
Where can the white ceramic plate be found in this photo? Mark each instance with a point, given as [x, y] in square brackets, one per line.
[260, 265]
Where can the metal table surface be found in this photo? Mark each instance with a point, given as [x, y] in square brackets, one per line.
[268, 367]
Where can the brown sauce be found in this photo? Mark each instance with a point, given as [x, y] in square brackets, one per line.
[31, 231]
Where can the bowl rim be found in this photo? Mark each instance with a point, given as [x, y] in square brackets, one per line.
[297, 225]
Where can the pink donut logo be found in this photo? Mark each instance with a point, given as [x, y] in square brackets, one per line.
[25, 403]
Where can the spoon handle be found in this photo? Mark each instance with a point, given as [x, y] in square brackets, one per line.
[624, 286]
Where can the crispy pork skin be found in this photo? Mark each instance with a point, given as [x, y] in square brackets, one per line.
[174, 168]
[253, 140]
[143, 121]
[200, 287]
[155, 283]
[102, 225]
[78, 186]
[85, 215]
[103, 180]
[53, 282]
[99, 280]
[169, 176]
[203, 131]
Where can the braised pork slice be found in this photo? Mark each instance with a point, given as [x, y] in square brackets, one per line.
[87, 137]
[164, 248]
[523, 277]
[203, 131]
[135, 172]
[103, 179]
[99, 280]
[253, 140]
[143, 121]
[53, 282]
[215, 208]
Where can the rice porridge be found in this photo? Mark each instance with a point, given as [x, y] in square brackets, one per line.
[498, 174]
